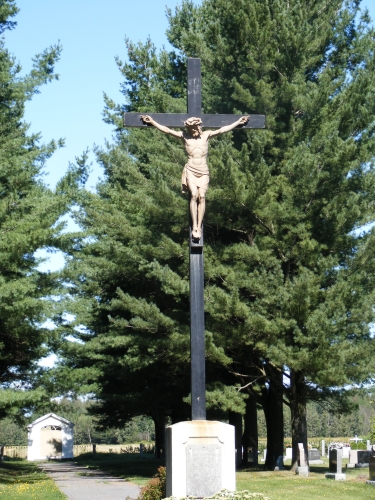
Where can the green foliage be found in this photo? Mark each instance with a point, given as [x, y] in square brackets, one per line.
[23, 480]
[372, 430]
[289, 273]
[12, 434]
[324, 420]
[29, 221]
[156, 487]
[358, 446]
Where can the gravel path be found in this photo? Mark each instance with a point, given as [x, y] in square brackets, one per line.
[80, 483]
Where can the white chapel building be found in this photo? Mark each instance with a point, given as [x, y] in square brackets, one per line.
[49, 437]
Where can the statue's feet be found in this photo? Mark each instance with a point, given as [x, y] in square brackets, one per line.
[196, 234]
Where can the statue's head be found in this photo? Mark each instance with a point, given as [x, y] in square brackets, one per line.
[194, 125]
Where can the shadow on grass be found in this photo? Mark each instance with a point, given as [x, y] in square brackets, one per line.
[19, 471]
[321, 469]
[129, 467]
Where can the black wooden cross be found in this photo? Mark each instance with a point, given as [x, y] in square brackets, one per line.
[197, 351]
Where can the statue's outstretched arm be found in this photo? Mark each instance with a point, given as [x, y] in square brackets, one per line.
[242, 121]
[162, 128]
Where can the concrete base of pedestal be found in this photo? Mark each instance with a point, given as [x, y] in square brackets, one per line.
[361, 466]
[312, 462]
[336, 477]
[371, 482]
[200, 458]
[303, 470]
[350, 466]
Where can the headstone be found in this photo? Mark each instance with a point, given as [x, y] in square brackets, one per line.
[323, 447]
[335, 465]
[288, 453]
[363, 459]
[314, 456]
[353, 459]
[200, 458]
[264, 455]
[279, 463]
[372, 468]
[302, 469]
[302, 456]
[345, 451]
[368, 443]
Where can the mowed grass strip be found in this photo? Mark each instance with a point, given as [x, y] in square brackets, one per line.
[22, 480]
[286, 485]
[130, 467]
[277, 485]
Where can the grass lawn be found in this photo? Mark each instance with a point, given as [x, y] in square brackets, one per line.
[21, 480]
[285, 485]
[282, 485]
[130, 467]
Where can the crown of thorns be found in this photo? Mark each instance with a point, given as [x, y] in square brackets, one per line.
[190, 122]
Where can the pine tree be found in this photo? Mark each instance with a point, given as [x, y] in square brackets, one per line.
[300, 283]
[29, 215]
[289, 269]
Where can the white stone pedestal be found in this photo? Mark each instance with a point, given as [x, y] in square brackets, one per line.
[303, 470]
[200, 458]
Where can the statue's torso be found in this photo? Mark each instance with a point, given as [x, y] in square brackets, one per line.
[197, 151]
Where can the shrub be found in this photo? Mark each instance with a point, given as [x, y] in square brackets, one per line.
[361, 445]
[155, 488]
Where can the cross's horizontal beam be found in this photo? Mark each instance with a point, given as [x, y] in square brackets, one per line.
[177, 120]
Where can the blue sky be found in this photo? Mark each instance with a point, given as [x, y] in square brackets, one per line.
[92, 33]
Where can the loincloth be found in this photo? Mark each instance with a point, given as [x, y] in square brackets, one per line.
[192, 178]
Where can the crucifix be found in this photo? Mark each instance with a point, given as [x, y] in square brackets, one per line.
[195, 179]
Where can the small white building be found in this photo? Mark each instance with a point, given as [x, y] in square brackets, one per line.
[50, 436]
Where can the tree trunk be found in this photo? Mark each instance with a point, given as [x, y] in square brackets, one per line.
[298, 415]
[250, 433]
[159, 421]
[235, 419]
[273, 411]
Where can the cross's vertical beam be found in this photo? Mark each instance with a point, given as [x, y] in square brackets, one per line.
[194, 87]
[197, 350]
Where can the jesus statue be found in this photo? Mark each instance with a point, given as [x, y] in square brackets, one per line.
[195, 176]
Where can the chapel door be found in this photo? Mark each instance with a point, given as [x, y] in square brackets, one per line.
[51, 441]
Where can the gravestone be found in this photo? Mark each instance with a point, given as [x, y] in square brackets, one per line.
[314, 456]
[254, 454]
[372, 468]
[353, 459]
[323, 447]
[303, 468]
[363, 459]
[345, 451]
[200, 458]
[335, 465]
[279, 463]
[288, 453]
